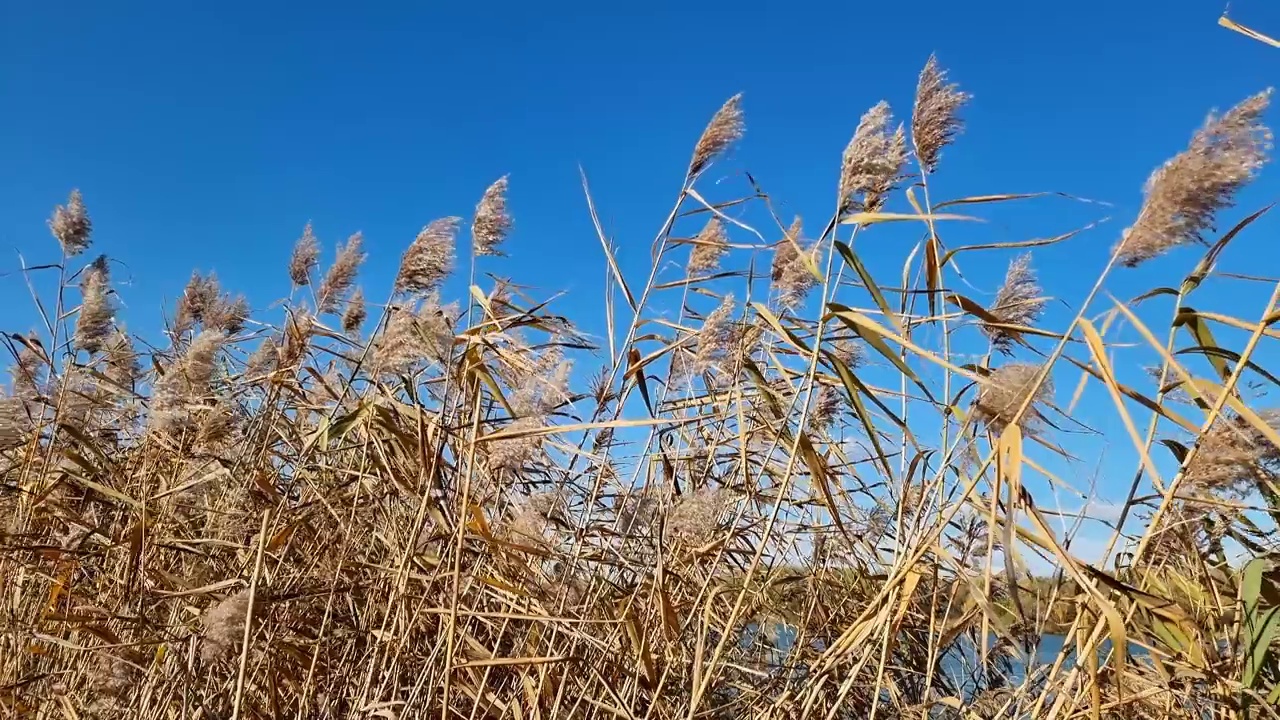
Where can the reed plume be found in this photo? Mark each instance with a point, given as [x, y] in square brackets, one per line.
[1183, 196]
[71, 226]
[727, 127]
[492, 223]
[935, 119]
[305, 257]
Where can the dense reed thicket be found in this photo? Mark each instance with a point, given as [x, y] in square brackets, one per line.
[425, 508]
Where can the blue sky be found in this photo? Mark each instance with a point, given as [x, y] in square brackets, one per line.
[206, 135]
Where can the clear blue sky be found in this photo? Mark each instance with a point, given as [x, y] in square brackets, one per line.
[206, 134]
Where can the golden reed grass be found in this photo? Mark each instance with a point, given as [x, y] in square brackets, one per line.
[336, 508]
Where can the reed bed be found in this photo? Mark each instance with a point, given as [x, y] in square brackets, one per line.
[775, 485]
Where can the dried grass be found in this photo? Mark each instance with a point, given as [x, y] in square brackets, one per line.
[440, 518]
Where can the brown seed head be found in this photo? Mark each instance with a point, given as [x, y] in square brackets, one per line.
[1003, 392]
[850, 353]
[792, 278]
[228, 314]
[121, 360]
[224, 626]
[873, 161]
[694, 519]
[826, 408]
[411, 340]
[430, 258]
[1183, 196]
[305, 257]
[70, 224]
[355, 314]
[1018, 302]
[97, 309]
[935, 120]
[717, 340]
[186, 384]
[725, 129]
[201, 294]
[710, 246]
[341, 276]
[1234, 457]
[491, 224]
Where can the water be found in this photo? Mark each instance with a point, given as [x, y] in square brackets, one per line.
[962, 663]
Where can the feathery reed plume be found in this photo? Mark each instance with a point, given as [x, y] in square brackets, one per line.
[29, 371]
[71, 226]
[354, 315]
[1234, 457]
[725, 129]
[186, 384]
[297, 337]
[224, 627]
[264, 359]
[717, 340]
[201, 294]
[1018, 302]
[305, 257]
[694, 519]
[849, 353]
[430, 258]
[1182, 196]
[537, 388]
[792, 278]
[935, 120]
[826, 408]
[97, 309]
[710, 246]
[410, 339]
[532, 519]
[873, 161]
[15, 422]
[1003, 392]
[121, 360]
[491, 223]
[341, 276]
[227, 314]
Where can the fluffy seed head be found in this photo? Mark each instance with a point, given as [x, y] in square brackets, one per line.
[411, 339]
[97, 309]
[224, 625]
[341, 276]
[1182, 197]
[71, 226]
[200, 296]
[725, 129]
[430, 258]
[305, 257]
[186, 384]
[717, 340]
[1003, 392]
[1018, 302]
[792, 278]
[29, 371]
[264, 359]
[694, 519]
[935, 121]
[826, 408]
[710, 246]
[849, 352]
[873, 161]
[353, 317]
[228, 314]
[121, 360]
[1234, 456]
[491, 224]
